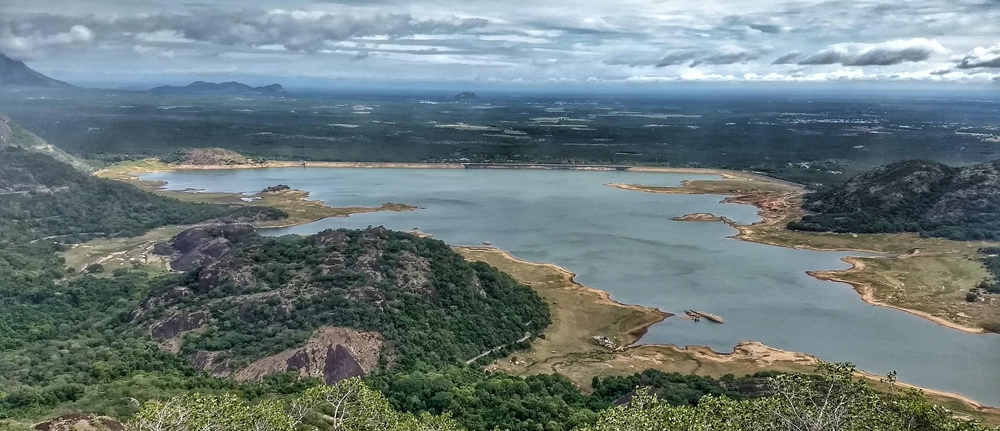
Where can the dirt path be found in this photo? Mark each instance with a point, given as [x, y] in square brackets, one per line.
[495, 349]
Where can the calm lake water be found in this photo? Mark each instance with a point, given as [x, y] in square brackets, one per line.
[624, 242]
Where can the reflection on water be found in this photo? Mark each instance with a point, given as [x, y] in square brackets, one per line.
[625, 243]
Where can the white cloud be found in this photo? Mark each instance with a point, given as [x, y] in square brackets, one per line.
[553, 41]
[981, 57]
[34, 42]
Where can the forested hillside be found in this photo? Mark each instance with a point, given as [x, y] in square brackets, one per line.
[415, 301]
[12, 135]
[912, 196]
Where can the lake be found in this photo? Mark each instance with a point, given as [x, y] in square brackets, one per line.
[624, 242]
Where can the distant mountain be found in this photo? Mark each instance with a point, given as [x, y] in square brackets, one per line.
[13, 136]
[465, 95]
[16, 73]
[912, 196]
[231, 87]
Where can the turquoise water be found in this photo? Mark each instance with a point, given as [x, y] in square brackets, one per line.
[624, 242]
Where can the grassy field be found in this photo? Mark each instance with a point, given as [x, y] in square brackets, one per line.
[127, 253]
[926, 276]
[930, 285]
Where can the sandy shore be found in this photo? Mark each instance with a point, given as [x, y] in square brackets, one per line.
[867, 295]
[945, 394]
[633, 334]
[747, 350]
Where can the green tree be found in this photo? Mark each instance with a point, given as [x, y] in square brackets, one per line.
[832, 400]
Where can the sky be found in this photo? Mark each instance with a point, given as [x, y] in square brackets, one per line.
[507, 41]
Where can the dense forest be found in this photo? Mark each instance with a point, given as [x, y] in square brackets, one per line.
[929, 198]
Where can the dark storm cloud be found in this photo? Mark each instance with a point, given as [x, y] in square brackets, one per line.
[981, 57]
[789, 58]
[882, 54]
[727, 55]
[677, 58]
[296, 31]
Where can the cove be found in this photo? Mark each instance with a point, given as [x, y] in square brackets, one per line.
[624, 242]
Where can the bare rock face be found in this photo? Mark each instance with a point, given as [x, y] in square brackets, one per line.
[211, 362]
[367, 264]
[178, 324]
[80, 422]
[334, 354]
[201, 245]
[170, 331]
[333, 263]
[412, 273]
[334, 238]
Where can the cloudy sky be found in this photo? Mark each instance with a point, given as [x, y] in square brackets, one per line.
[507, 41]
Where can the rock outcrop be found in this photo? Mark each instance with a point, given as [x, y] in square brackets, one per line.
[332, 355]
[201, 246]
[80, 422]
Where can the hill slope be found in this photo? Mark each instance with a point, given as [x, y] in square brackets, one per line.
[912, 196]
[16, 73]
[370, 294]
[11, 135]
[231, 87]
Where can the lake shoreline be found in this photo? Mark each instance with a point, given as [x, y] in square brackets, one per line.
[772, 216]
[769, 215]
[633, 334]
[868, 296]
[148, 166]
[746, 351]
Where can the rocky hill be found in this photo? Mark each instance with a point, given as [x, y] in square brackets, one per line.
[912, 196]
[16, 73]
[332, 305]
[231, 87]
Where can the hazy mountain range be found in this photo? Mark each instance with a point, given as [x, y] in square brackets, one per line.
[231, 87]
[16, 73]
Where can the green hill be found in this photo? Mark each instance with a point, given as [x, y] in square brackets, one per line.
[931, 198]
[11, 135]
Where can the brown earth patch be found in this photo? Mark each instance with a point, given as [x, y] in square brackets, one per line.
[80, 422]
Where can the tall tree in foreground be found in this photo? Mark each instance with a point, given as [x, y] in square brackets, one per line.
[348, 405]
[833, 400]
